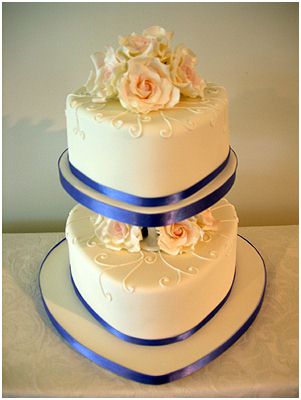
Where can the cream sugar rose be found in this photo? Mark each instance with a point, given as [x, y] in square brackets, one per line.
[144, 73]
[173, 239]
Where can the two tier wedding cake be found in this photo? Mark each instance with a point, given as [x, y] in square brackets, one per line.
[147, 130]
[152, 244]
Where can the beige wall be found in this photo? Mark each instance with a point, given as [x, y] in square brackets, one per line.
[250, 48]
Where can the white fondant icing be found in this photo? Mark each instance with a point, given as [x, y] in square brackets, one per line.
[153, 295]
[124, 151]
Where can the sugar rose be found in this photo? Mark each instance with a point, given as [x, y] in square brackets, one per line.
[183, 72]
[116, 235]
[207, 221]
[135, 45]
[179, 237]
[94, 85]
[108, 70]
[144, 73]
[146, 86]
[161, 39]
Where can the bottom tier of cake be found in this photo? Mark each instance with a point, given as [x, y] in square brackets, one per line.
[150, 294]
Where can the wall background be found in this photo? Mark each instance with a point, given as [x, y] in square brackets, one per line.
[250, 48]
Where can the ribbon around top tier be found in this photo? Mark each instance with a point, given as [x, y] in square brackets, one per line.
[119, 195]
[140, 217]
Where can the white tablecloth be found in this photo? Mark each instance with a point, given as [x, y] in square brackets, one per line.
[37, 362]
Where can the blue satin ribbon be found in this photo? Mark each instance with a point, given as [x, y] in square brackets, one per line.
[141, 377]
[143, 219]
[150, 342]
[148, 201]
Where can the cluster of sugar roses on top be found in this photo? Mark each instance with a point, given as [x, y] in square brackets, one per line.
[145, 73]
[173, 239]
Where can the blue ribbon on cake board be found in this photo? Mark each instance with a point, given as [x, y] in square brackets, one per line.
[141, 377]
[148, 201]
[138, 218]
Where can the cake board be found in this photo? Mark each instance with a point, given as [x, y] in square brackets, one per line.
[132, 214]
[152, 364]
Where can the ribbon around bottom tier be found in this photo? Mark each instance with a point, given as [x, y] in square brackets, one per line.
[148, 201]
[150, 342]
[142, 377]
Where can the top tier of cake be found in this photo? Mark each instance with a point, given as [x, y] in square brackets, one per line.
[148, 155]
[146, 129]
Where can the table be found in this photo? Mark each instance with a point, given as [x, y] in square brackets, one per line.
[38, 363]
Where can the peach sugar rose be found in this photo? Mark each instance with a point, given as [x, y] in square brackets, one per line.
[207, 221]
[173, 239]
[154, 42]
[184, 74]
[103, 81]
[144, 73]
[179, 237]
[135, 45]
[117, 235]
[146, 86]
[162, 41]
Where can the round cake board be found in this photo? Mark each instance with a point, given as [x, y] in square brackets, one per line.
[204, 198]
[152, 364]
